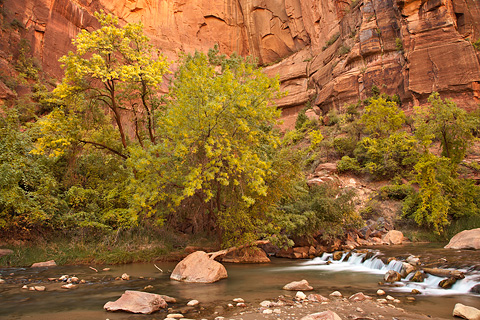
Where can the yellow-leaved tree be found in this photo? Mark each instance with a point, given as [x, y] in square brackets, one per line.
[214, 161]
[110, 86]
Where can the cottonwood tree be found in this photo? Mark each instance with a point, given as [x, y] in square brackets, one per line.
[110, 86]
[216, 147]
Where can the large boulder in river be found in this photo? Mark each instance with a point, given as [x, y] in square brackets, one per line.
[325, 315]
[198, 267]
[302, 285]
[137, 302]
[393, 237]
[466, 312]
[49, 263]
[467, 239]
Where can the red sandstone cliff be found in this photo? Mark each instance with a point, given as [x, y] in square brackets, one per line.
[408, 47]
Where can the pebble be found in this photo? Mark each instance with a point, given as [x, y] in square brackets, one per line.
[230, 305]
[69, 286]
[336, 294]
[192, 303]
[2, 281]
[31, 288]
[397, 301]
[125, 276]
[149, 287]
[238, 300]
[25, 287]
[300, 295]
[390, 298]
[63, 278]
[359, 310]
[266, 303]
[411, 299]
[175, 316]
[106, 269]
[380, 292]
[39, 288]
[267, 311]
[382, 301]
[278, 311]
[74, 279]
[241, 305]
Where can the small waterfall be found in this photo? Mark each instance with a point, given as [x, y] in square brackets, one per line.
[371, 263]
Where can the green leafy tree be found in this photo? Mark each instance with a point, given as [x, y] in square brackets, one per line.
[443, 195]
[28, 189]
[382, 117]
[110, 85]
[443, 121]
[216, 146]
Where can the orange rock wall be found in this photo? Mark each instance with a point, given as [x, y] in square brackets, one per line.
[407, 47]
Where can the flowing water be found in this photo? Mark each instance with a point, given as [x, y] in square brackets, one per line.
[253, 283]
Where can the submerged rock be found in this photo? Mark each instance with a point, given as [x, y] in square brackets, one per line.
[325, 315]
[50, 263]
[466, 312]
[198, 267]
[467, 239]
[298, 285]
[137, 302]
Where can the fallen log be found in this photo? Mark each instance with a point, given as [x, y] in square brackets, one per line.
[445, 273]
[216, 254]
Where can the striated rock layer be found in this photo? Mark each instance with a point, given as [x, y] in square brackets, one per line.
[328, 52]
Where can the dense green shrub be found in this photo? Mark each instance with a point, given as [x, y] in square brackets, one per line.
[324, 207]
[396, 191]
[348, 164]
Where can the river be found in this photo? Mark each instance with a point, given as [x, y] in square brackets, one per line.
[253, 283]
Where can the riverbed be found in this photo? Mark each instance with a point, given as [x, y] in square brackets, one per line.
[253, 283]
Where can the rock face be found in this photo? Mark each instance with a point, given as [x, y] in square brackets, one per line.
[466, 312]
[137, 302]
[467, 239]
[198, 267]
[330, 52]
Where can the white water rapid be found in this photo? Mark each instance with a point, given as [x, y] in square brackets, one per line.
[361, 262]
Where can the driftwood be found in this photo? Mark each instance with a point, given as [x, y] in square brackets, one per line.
[157, 268]
[216, 254]
[445, 273]
[93, 269]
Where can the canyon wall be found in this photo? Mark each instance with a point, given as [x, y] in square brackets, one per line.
[328, 52]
